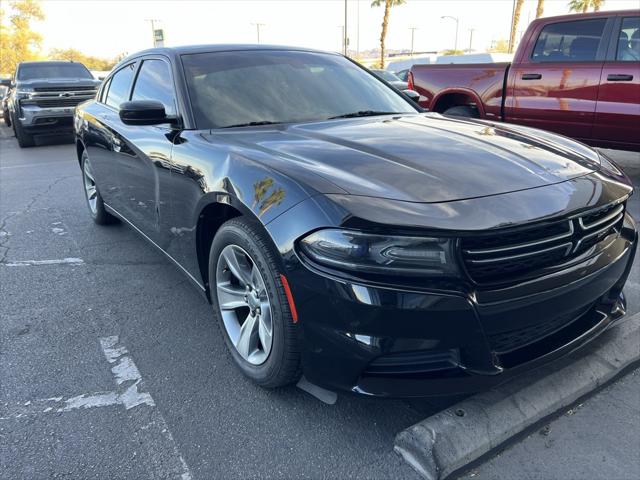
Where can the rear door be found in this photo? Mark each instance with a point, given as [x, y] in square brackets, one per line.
[556, 86]
[617, 122]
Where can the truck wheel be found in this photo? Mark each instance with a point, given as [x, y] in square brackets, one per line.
[24, 139]
[7, 118]
[462, 111]
[251, 305]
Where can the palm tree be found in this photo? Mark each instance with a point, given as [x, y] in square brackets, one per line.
[540, 9]
[514, 25]
[583, 5]
[385, 22]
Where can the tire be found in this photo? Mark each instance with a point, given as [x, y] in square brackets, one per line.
[281, 365]
[7, 118]
[95, 204]
[462, 111]
[24, 139]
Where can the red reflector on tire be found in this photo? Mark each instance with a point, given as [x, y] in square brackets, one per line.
[287, 292]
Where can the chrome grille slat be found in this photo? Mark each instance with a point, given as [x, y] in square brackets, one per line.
[619, 209]
[567, 246]
[521, 246]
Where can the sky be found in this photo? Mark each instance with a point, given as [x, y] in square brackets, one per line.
[106, 28]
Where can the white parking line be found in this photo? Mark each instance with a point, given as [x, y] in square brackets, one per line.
[34, 165]
[158, 451]
[32, 263]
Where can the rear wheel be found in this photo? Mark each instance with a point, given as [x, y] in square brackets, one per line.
[7, 117]
[462, 111]
[24, 139]
[94, 201]
[251, 305]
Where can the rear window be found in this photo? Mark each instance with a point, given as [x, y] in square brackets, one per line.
[575, 41]
[629, 40]
[58, 70]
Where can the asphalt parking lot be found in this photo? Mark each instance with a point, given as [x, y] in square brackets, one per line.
[111, 366]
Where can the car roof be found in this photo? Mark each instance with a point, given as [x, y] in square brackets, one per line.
[209, 48]
[585, 16]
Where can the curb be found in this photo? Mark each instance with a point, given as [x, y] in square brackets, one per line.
[446, 442]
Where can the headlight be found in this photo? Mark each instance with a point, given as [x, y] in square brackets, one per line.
[24, 92]
[382, 254]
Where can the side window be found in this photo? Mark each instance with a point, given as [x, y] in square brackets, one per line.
[629, 40]
[575, 41]
[119, 86]
[154, 83]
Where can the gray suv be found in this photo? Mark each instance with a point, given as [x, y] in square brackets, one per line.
[44, 96]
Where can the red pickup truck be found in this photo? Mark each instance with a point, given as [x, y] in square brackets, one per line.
[577, 75]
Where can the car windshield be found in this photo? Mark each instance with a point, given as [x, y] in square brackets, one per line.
[252, 87]
[385, 75]
[53, 70]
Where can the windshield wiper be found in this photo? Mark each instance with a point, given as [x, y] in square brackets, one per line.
[363, 113]
[253, 124]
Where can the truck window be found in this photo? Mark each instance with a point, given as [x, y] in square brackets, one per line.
[629, 40]
[154, 83]
[575, 41]
[119, 86]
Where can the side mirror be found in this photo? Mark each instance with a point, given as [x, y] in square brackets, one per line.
[5, 82]
[412, 94]
[143, 112]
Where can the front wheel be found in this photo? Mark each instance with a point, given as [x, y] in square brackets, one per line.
[250, 303]
[94, 201]
[24, 139]
[462, 111]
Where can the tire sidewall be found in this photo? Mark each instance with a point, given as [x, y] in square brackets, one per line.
[233, 234]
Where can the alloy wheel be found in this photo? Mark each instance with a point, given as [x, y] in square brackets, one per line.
[244, 304]
[90, 186]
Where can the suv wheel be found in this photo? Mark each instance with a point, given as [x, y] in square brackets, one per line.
[24, 139]
[251, 305]
[94, 201]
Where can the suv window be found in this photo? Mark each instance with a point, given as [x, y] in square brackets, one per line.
[119, 86]
[629, 40]
[575, 41]
[154, 83]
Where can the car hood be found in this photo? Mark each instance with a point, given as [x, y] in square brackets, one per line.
[416, 157]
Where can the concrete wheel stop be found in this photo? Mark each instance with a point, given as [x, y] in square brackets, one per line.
[454, 438]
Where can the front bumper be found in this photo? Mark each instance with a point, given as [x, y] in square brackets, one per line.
[34, 118]
[392, 342]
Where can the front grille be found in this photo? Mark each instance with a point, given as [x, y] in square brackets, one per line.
[501, 256]
[58, 102]
[62, 89]
[504, 342]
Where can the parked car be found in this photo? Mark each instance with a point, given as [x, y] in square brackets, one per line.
[577, 75]
[5, 105]
[44, 96]
[391, 79]
[348, 237]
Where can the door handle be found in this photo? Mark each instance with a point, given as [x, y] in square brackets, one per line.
[531, 76]
[619, 77]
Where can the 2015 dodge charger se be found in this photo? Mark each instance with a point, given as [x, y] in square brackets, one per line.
[342, 234]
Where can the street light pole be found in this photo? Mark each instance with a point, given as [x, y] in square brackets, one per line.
[457, 20]
[153, 21]
[471, 30]
[258, 25]
[345, 40]
[413, 31]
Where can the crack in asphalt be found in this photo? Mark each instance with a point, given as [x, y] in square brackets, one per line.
[4, 234]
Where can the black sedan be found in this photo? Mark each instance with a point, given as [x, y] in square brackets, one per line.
[344, 235]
